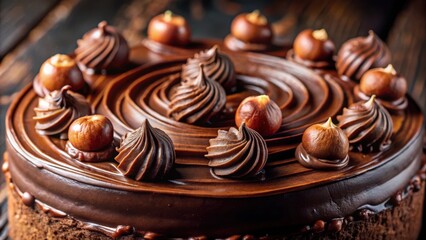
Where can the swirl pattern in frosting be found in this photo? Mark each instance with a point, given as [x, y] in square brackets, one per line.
[368, 126]
[57, 110]
[146, 154]
[217, 67]
[359, 54]
[197, 100]
[102, 49]
[238, 153]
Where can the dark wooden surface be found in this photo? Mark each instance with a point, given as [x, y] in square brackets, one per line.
[31, 31]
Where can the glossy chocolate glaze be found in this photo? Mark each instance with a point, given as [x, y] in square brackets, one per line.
[192, 202]
[309, 63]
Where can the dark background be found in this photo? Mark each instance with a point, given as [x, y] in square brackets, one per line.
[31, 31]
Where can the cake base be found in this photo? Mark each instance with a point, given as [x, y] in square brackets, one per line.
[399, 222]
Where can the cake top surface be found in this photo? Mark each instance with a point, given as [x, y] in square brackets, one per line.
[189, 95]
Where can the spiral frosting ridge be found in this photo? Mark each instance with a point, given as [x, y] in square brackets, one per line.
[238, 153]
[217, 67]
[57, 110]
[102, 49]
[359, 54]
[368, 126]
[146, 154]
[197, 100]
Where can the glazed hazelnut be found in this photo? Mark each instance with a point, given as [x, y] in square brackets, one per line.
[385, 83]
[260, 113]
[91, 133]
[325, 141]
[169, 29]
[61, 70]
[252, 28]
[314, 45]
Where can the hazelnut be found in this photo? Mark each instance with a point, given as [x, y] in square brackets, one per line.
[318, 226]
[252, 28]
[91, 133]
[385, 83]
[325, 141]
[313, 45]
[61, 70]
[259, 113]
[169, 29]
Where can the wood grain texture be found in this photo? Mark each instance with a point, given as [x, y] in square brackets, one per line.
[407, 41]
[18, 18]
[31, 31]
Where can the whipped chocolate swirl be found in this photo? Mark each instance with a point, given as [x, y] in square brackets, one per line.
[238, 153]
[146, 154]
[57, 110]
[359, 54]
[368, 126]
[197, 100]
[217, 67]
[102, 49]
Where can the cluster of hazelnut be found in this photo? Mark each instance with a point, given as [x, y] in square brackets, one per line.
[249, 31]
[87, 134]
[312, 48]
[64, 111]
[61, 84]
[360, 61]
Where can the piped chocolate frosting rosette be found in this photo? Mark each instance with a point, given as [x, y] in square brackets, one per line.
[237, 153]
[324, 146]
[368, 126]
[359, 54]
[103, 49]
[217, 67]
[57, 110]
[197, 100]
[146, 154]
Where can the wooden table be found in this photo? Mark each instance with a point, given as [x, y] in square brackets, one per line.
[31, 31]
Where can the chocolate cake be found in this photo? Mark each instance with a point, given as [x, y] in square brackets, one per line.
[204, 139]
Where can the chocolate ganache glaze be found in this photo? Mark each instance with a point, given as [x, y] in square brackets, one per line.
[217, 67]
[197, 100]
[192, 202]
[102, 49]
[146, 154]
[359, 54]
[238, 153]
[368, 126]
[57, 110]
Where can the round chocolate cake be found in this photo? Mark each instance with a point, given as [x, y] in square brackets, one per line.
[240, 139]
